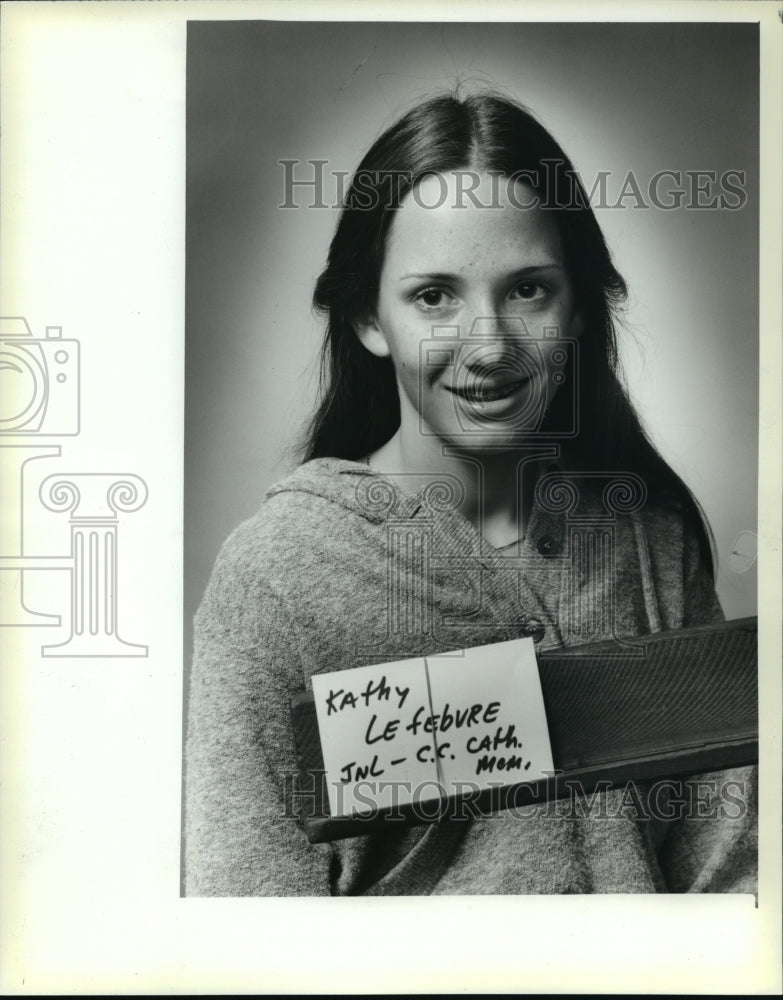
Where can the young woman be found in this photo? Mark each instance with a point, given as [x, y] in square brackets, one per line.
[471, 416]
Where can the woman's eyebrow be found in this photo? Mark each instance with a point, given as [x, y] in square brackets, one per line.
[431, 276]
[535, 268]
[521, 272]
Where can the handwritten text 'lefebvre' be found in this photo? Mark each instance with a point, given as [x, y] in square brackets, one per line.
[420, 719]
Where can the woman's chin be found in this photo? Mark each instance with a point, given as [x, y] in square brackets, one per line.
[497, 441]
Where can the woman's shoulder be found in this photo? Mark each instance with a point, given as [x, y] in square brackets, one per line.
[663, 509]
[324, 494]
[660, 518]
[671, 522]
[318, 486]
[315, 510]
[316, 535]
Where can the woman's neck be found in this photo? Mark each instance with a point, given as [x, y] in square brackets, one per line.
[496, 487]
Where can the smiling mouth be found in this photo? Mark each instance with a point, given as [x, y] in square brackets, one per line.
[487, 394]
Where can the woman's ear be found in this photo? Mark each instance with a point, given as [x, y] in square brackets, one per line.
[371, 335]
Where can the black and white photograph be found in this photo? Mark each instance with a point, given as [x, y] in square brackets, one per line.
[528, 257]
[391, 497]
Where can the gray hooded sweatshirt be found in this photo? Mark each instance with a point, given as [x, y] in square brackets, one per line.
[343, 567]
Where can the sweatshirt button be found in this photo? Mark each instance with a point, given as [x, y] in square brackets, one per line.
[533, 629]
[547, 546]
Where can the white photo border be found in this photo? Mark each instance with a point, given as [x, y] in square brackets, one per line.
[93, 117]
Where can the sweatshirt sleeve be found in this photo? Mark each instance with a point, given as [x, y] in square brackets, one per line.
[240, 836]
[713, 846]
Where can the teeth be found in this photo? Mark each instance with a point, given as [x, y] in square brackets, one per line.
[488, 395]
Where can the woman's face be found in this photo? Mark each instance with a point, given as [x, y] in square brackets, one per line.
[473, 307]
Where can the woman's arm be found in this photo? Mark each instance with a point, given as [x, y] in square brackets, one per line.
[240, 839]
[714, 846]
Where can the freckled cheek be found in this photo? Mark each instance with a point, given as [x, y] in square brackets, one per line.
[415, 375]
[558, 316]
[410, 356]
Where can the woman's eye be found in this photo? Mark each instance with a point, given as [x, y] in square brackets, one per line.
[529, 289]
[431, 298]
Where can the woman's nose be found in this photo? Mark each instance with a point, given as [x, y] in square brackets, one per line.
[490, 327]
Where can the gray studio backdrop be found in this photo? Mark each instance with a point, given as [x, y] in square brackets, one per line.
[618, 97]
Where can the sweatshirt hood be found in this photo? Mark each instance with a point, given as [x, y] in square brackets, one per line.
[364, 491]
[349, 484]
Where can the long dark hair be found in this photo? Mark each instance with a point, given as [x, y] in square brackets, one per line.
[359, 409]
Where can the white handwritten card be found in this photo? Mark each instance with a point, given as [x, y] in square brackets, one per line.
[369, 757]
[423, 729]
[489, 721]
